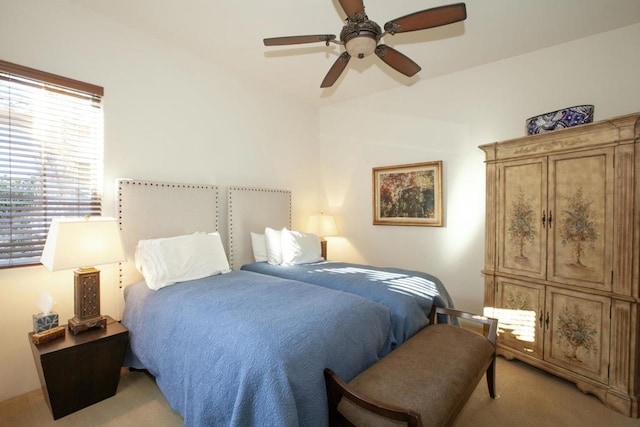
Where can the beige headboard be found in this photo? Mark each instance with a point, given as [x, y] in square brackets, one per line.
[251, 210]
[148, 210]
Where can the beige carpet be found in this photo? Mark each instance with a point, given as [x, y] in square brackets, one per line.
[531, 397]
[528, 397]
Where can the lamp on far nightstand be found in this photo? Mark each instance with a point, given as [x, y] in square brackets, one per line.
[323, 226]
[83, 242]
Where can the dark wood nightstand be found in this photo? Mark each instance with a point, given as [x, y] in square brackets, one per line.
[79, 370]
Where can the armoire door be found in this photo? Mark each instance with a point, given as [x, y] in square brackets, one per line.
[580, 219]
[519, 310]
[577, 333]
[522, 207]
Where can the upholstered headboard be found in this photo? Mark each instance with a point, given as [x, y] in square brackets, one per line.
[251, 210]
[149, 210]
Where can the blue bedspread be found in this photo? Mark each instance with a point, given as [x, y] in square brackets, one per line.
[245, 349]
[408, 294]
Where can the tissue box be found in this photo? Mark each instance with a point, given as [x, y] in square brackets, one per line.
[44, 322]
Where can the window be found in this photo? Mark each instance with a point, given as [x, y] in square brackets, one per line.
[51, 157]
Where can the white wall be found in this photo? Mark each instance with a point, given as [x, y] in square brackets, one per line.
[446, 119]
[169, 116]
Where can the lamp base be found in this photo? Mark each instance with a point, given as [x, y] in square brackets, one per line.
[77, 326]
[87, 301]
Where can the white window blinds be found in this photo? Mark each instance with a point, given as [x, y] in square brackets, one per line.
[51, 157]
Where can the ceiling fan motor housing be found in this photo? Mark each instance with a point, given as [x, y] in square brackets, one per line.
[360, 37]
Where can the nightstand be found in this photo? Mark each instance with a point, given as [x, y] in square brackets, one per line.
[79, 370]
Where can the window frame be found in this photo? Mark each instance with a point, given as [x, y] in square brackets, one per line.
[91, 180]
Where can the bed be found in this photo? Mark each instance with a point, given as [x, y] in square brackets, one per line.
[237, 348]
[408, 294]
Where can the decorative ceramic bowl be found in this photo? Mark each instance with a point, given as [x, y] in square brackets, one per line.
[567, 117]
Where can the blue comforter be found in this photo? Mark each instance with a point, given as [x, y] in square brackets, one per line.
[245, 349]
[408, 294]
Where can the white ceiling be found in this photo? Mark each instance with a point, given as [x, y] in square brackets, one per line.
[230, 33]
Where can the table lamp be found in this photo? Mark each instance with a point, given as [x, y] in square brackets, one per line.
[80, 243]
[322, 225]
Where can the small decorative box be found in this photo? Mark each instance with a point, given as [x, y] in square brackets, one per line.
[44, 322]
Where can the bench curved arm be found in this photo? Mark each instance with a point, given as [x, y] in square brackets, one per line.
[336, 388]
[492, 323]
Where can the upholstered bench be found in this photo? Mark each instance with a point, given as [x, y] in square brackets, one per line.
[426, 381]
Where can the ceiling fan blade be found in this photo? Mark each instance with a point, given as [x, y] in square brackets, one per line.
[336, 69]
[281, 41]
[397, 60]
[351, 7]
[428, 18]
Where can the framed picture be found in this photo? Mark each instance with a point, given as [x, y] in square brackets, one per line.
[408, 194]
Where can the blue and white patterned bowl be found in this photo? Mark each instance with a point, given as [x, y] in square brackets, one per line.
[567, 117]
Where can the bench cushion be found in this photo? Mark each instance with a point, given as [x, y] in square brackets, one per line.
[414, 376]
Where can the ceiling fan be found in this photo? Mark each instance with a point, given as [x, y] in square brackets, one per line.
[360, 36]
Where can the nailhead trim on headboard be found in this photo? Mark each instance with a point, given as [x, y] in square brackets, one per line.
[230, 211]
[121, 183]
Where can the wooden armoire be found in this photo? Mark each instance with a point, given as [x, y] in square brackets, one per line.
[562, 254]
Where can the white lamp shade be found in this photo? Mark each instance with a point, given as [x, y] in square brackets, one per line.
[322, 225]
[82, 242]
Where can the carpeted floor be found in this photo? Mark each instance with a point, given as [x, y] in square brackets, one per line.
[531, 397]
[528, 397]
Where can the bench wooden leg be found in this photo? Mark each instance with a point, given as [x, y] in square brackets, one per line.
[491, 378]
[333, 396]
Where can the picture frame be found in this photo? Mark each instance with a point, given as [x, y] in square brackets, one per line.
[408, 194]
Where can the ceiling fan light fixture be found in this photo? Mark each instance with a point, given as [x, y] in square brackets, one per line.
[362, 45]
[360, 36]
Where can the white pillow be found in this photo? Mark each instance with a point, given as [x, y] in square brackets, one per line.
[259, 247]
[166, 261]
[273, 245]
[299, 248]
